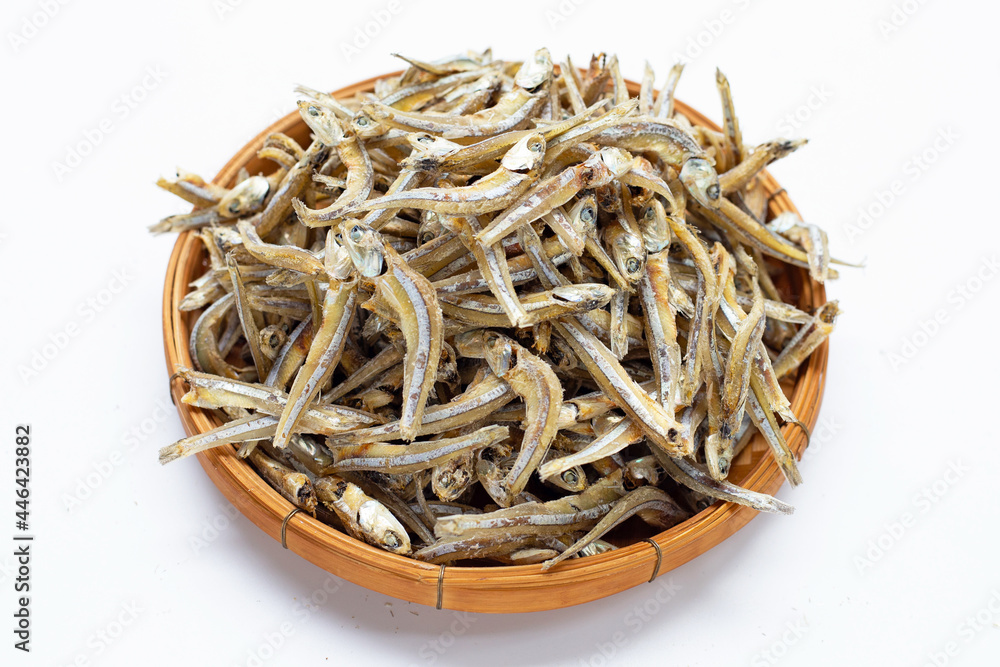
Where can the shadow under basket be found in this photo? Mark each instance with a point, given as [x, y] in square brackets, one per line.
[489, 589]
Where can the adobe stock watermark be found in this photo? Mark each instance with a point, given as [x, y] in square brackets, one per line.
[986, 617]
[102, 639]
[433, 649]
[922, 503]
[224, 7]
[793, 122]
[912, 171]
[634, 621]
[31, 25]
[558, 13]
[86, 312]
[698, 43]
[378, 20]
[826, 430]
[212, 527]
[102, 469]
[121, 108]
[957, 299]
[899, 16]
[790, 636]
[301, 612]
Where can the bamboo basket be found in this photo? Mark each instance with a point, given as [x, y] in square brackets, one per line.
[501, 589]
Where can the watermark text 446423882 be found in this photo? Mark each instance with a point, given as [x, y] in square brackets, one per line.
[22, 539]
[76, 152]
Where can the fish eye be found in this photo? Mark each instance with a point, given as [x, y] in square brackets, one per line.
[425, 139]
[713, 191]
[356, 233]
[649, 214]
[274, 340]
[631, 265]
[427, 237]
[362, 121]
[313, 110]
[570, 477]
[234, 206]
[392, 541]
[535, 146]
[587, 214]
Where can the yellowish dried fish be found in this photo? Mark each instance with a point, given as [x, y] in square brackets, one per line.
[353, 155]
[414, 301]
[809, 337]
[518, 169]
[294, 486]
[537, 385]
[660, 428]
[406, 319]
[324, 354]
[397, 459]
[651, 503]
[363, 516]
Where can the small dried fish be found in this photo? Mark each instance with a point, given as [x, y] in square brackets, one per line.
[495, 309]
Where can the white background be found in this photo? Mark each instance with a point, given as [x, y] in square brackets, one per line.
[115, 531]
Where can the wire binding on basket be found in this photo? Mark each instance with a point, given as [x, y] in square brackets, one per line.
[170, 386]
[440, 598]
[774, 194]
[659, 559]
[284, 526]
[805, 429]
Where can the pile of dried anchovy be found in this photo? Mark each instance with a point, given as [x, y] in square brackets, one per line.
[496, 309]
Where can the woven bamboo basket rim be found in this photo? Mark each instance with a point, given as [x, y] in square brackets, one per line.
[499, 589]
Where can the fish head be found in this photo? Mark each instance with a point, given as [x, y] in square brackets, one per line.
[337, 261]
[526, 155]
[583, 215]
[450, 481]
[597, 547]
[430, 145]
[370, 122]
[617, 161]
[573, 480]
[470, 344]
[700, 179]
[718, 458]
[364, 247]
[629, 253]
[584, 296]
[246, 197]
[642, 471]
[535, 71]
[379, 525]
[498, 351]
[431, 227]
[489, 81]
[655, 226]
[322, 121]
[226, 239]
[562, 355]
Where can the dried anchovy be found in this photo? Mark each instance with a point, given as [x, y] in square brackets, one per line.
[496, 309]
